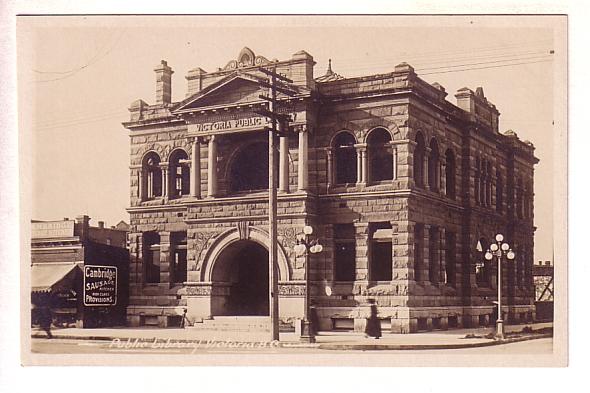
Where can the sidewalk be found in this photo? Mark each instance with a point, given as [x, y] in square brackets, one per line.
[449, 339]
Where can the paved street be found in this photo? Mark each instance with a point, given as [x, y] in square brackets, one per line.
[62, 346]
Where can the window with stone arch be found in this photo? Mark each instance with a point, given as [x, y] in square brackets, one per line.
[249, 168]
[344, 158]
[380, 155]
[419, 153]
[450, 174]
[499, 191]
[433, 166]
[151, 176]
[179, 174]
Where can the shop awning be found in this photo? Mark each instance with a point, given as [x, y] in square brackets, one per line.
[53, 276]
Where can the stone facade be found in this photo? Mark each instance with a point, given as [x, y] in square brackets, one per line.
[399, 184]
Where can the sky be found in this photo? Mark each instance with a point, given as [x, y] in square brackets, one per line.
[78, 75]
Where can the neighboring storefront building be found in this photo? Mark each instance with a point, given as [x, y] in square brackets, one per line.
[81, 272]
[399, 184]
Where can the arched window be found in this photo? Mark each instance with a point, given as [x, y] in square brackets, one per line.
[380, 155]
[527, 200]
[151, 257]
[151, 176]
[519, 198]
[179, 174]
[345, 158]
[489, 184]
[499, 191]
[450, 173]
[419, 152]
[433, 166]
[249, 168]
[476, 182]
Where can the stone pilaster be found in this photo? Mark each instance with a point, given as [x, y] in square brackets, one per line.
[330, 166]
[362, 250]
[284, 164]
[302, 165]
[426, 253]
[443, 175]
[394, 161]
[165, 257]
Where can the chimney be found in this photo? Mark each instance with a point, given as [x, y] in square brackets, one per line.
[82, 225]
[547, 263]
[163, 83]
[101, 224]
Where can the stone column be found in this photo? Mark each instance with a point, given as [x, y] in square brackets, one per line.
[196, 169]
[362, 168]
[165, 185]
[302, 167]
[365, 164]
[330, 166]
[443, 175]
[149, 185]
[212, 167]
[284, 164]
[442, 255]
[359, 165]
[426, 170]
[140, 186]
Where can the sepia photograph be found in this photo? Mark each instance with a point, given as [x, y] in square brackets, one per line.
[385, 190]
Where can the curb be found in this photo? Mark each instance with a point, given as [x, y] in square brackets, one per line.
[325, 346]
[373, 347]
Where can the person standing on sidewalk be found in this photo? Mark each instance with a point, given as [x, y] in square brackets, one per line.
[45, 317]
[373, 328]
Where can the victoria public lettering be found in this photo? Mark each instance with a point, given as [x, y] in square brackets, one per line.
[100, 285]
[230, 124]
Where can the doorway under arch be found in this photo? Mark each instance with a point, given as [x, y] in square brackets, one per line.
[242, 267]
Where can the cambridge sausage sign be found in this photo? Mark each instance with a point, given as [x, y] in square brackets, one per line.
[100, 285]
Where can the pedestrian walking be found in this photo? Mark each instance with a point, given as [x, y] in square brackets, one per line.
[314, 321]
[45, 317]
[373, 328]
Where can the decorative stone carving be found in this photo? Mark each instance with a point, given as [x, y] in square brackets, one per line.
[291, 290]
[199, 290]
[200, 244]
[288, 237]
[243, 229]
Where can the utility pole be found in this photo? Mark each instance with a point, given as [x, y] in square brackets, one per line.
[276, 119]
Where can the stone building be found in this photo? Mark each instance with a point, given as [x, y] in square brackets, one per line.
[398, 183]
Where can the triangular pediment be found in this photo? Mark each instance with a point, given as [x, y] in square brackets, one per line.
[231, 90]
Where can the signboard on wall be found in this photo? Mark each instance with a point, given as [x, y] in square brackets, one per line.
[100, 285]
[49, 229]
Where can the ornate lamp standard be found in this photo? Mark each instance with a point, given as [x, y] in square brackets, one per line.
[304, 246]
[498, 249]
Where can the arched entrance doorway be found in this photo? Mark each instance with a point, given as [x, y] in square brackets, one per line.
[242, 267]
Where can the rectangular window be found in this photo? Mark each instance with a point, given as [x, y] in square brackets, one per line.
[450, 257]
[380, 254]
[344, 252]
[151, 257]
[418, 251]
[433, 254]
[178, 252]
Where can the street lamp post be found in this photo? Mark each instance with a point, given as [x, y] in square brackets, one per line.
[498, 249]
[303, 247]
